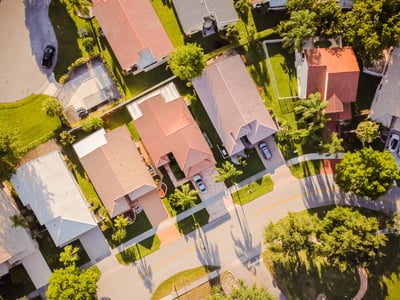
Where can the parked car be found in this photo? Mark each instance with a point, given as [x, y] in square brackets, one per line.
[199, 183]
[393, 142]
[265, 150]
[82, 112]
[48, 54]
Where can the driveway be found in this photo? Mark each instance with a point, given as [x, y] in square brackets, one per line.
[24, 32]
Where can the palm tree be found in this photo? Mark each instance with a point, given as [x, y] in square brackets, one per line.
[312, 111]
[300, 25]
[70, 255]
[18, 220]
[228, 172]
[120, 223]
[184, 196]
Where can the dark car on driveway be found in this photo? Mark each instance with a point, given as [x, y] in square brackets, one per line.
[48, 54]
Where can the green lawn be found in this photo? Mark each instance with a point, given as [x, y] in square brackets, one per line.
[28, 122]
[253, 190]
[165, 12]
[307, 168]
[180, 280]
[139, 250]
[188, 224]
[121, 118]
[141, 224]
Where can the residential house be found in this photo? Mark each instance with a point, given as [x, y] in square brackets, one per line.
[168, 130]
[334, 73]
[48, 188]
[385, 108]
[234, 105]
[17, 246]
[117, 171]
[134, 33]
[205, 16]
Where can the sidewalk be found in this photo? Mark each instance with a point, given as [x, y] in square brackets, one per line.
[224, 209]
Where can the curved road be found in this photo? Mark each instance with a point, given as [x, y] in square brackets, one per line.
[233, 241]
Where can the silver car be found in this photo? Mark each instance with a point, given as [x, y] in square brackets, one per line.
[199, 183]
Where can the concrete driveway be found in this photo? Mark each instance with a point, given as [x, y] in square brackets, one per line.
[24, 32]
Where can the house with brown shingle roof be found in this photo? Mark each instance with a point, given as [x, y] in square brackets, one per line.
[168, 127]
[234, 105]
[334, 73]
[134, 33]
[116, 169]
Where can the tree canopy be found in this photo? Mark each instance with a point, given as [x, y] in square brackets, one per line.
[184, 196]
[367, 172]
[243, 292]
[367, 131]
[9, 153]
[344, 236]
[372, 26]
[72, 283]
[228, 172]
[350, 238]
[187, 61]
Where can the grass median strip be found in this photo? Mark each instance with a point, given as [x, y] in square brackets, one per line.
[253, 190]
[139, 250]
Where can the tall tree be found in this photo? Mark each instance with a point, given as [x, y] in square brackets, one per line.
[120, 223]
[311, 112]
[228, 173]
[72, 283]
[296, 5]
[372, 26]
[69, 256]
[367, 131]
[53, 108]
[328, 18]
[184, 196]
[350, 239]
[367, 173]
[292, 234]
[243, 292]
[300, 25]
[187, 61]
[9, 153]
[335, 145]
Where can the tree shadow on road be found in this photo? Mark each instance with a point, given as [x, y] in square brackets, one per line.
[208, 253]
[244, 248]
[145, 272]
[318, 191]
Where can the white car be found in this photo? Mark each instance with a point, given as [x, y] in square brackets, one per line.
[199, 183]
[265, 150]
[393, 142]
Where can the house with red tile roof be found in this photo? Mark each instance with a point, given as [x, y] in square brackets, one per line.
[167, 127]
[116, 169]
[334, 73]
[134, 33]
[234, 104]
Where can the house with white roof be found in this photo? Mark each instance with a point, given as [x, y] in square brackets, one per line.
[48, 188]
[17, 246]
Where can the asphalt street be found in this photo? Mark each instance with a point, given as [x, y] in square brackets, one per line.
[233, 241]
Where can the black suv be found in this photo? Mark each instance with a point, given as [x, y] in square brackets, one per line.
[48, 54]
[82, 113]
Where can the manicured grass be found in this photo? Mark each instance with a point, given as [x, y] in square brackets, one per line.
[66, 30]
[141, 224]
[16, 284]
[180, 280]
[253, 190]
[307, 168]
[139, 250]
[191, 223]
[28, 122]
[165, 12]
[120, 118]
